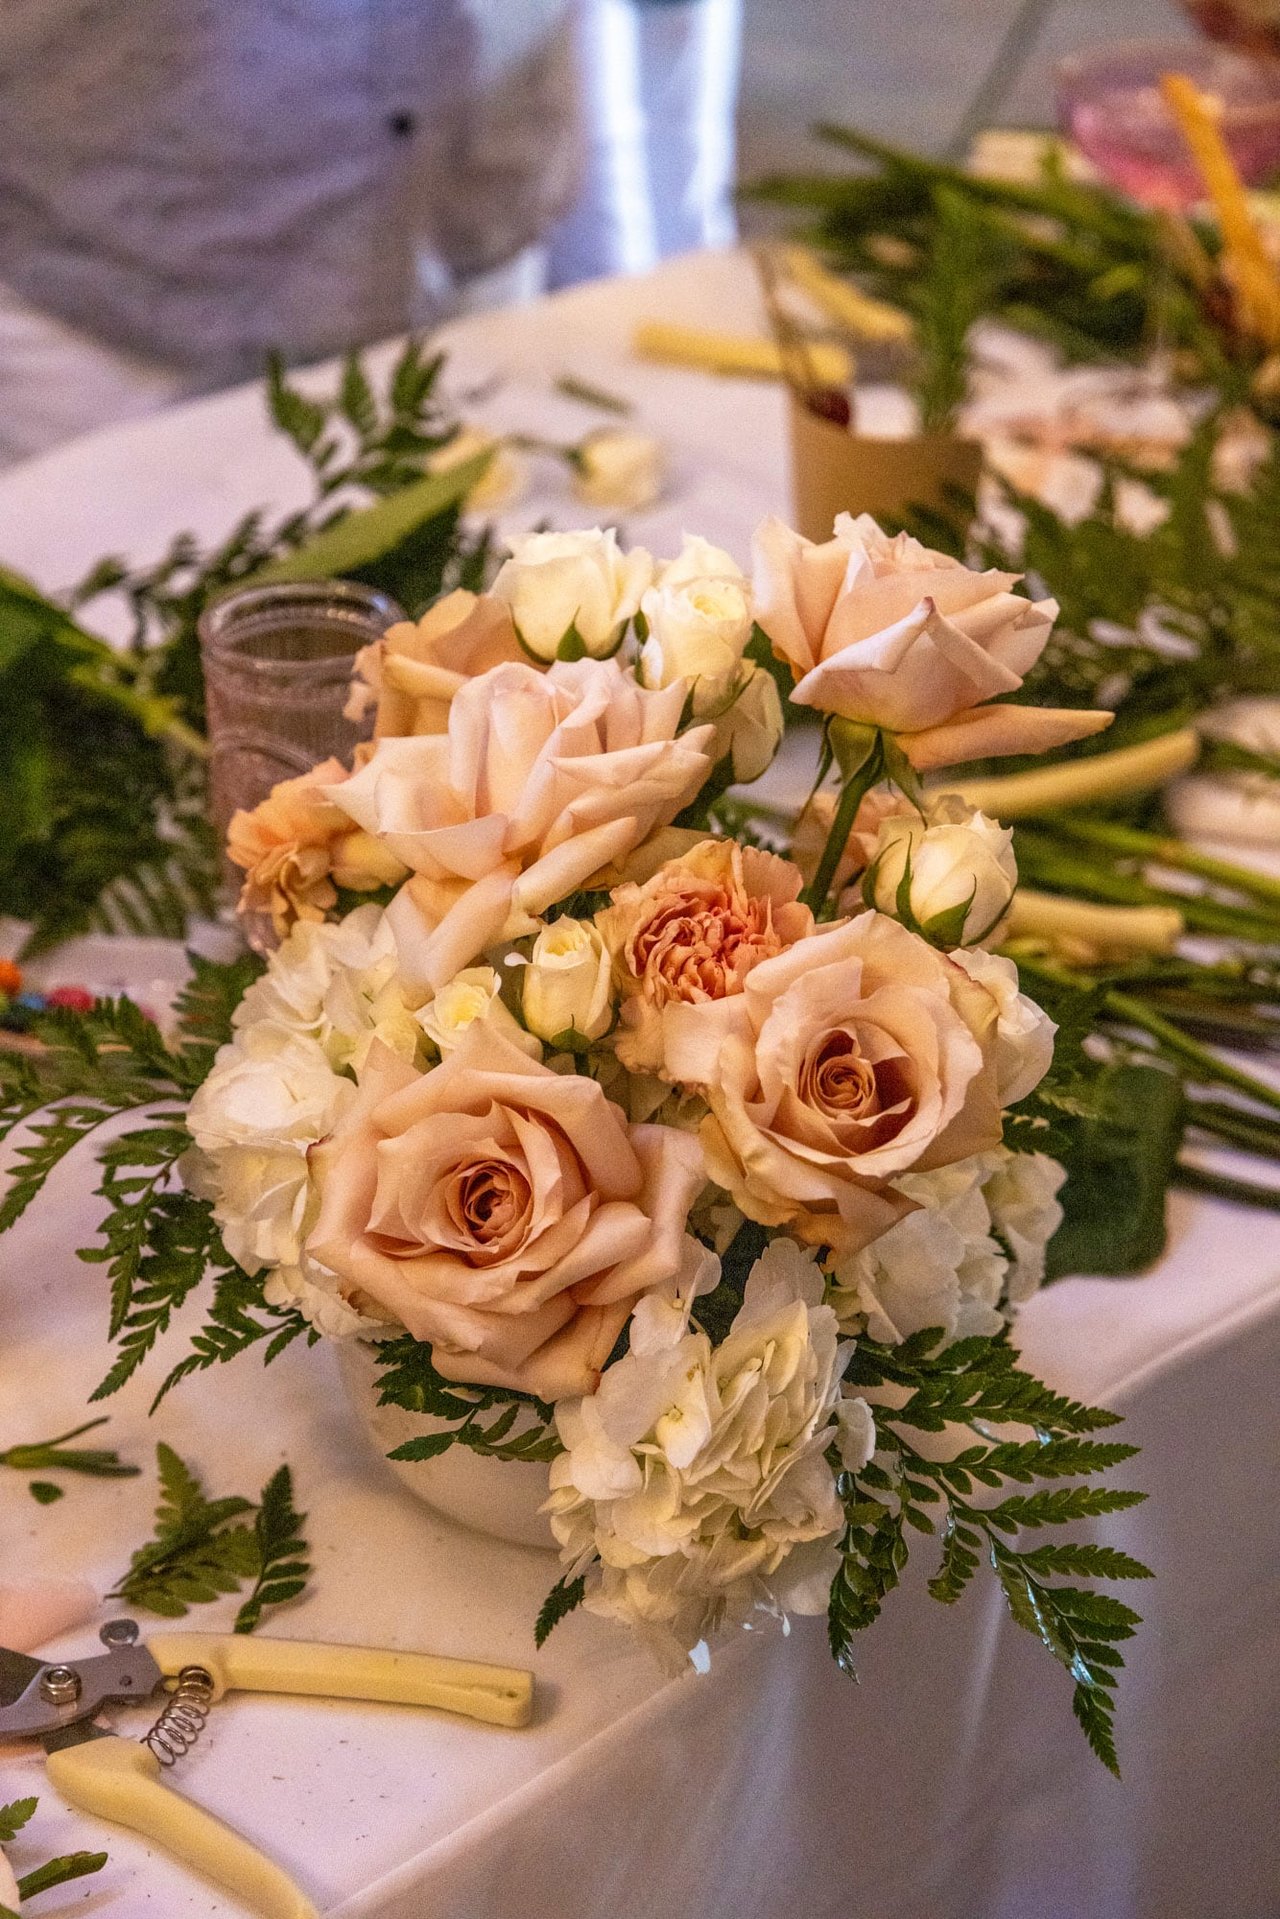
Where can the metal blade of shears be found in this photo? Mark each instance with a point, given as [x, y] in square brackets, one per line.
[17, 1670]
[42, 1695]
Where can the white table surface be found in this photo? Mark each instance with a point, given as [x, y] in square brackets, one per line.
[952, 1784]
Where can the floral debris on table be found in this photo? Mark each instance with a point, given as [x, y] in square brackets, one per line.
[632, 1152]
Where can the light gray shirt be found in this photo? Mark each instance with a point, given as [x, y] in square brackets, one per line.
[202, 180]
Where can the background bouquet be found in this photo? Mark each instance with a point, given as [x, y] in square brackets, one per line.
[632, 1145]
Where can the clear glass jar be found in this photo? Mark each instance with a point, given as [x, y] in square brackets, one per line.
[277, 671]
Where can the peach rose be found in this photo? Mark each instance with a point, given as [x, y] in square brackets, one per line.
[503, 1212]
[541, 780]
[297, 848]
[693, 933]
[888, 633]
[414, 670]
[855, 1056]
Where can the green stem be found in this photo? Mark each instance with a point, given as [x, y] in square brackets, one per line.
[857, 786]
[1173, 853]
[1246, 1192]
[1216, 1070]
[1251, 1131]
[1043, 863]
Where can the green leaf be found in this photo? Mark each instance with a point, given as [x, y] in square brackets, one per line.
[564, 1596]
[59, 1872]
[976, 1383]
[45, 1493]
[522, 1429]
[283, 1568]
[1119, 1165]
[360, 539]
[355, 397]
[14, 1817]
[303, 420]
[200, 1549]
[51, 1455]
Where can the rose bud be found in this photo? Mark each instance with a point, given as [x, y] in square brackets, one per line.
[951, 879]
[568, 982]
[572, 594]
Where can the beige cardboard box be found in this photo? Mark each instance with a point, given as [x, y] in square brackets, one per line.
[835, 471]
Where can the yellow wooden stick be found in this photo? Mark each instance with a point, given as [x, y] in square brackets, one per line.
[1244, 255]
[733, 354]
[874, 321]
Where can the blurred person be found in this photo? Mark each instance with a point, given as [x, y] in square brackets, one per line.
[660, 81]
[185, 187]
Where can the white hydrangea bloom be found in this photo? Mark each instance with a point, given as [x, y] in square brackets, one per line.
[948, 1264]
[939, 1266]
[1022, 1196]
[698, 1473]
[280, 1085]
[338, 984]
[313, 1290]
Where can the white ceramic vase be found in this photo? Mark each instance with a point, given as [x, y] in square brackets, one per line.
[493, 1496]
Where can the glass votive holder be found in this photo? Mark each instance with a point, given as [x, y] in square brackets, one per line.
[277, 665]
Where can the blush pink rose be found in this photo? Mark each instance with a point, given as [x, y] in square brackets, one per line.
[693, 933]
[297, 848]
[541, 780]
[855, 1056]
[414, 670]
[888, 633]
[503, 1212]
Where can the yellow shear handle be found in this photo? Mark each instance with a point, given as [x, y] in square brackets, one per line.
[118, 1780]
[500, 1695]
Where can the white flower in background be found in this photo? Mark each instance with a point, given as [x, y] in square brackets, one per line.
[578, 588]
[698, 615]
[1024, 1031]
[1022, 1197]
[948, 1264]
[617, 468]
[473, 994]
[568, 983]
[339, 985]
[698, 1474]
[959, 869]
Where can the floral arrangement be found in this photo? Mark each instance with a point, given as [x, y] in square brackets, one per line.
[710, 1174]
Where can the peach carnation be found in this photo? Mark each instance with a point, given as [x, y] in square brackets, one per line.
[297, 848]
[693, 933]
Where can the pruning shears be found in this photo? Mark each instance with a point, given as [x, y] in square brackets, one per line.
[100, 1772]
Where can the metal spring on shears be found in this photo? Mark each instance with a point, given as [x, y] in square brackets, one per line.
[182, 1721]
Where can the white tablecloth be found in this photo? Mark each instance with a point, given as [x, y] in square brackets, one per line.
[952, 1783]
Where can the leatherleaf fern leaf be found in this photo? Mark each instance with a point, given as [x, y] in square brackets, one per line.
[159, 1240]
[490, 1420]
[1006, 1429]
